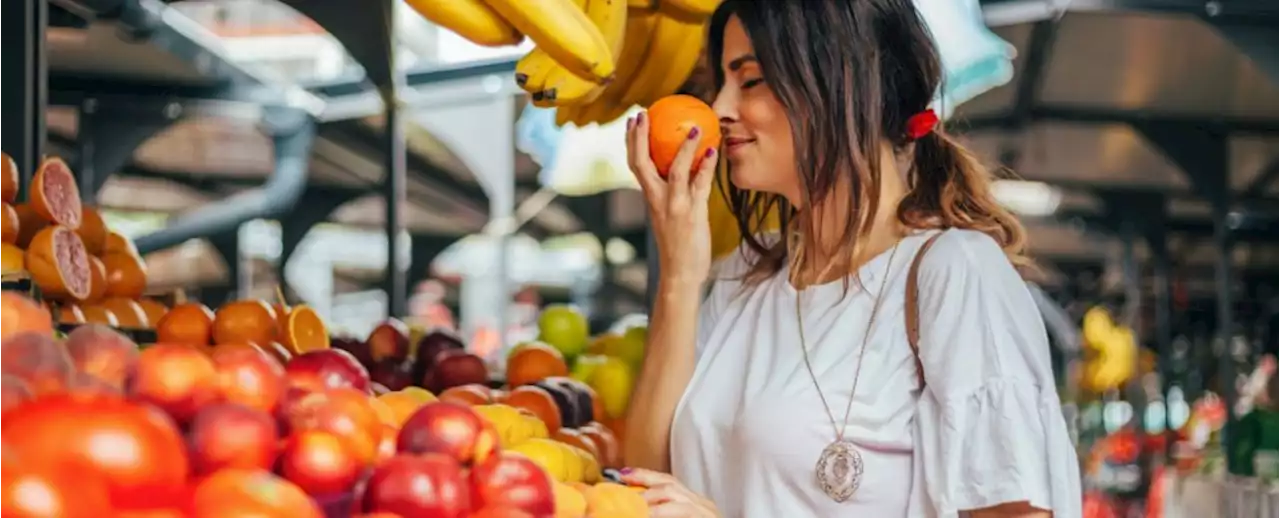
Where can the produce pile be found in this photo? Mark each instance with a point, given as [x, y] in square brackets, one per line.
[86, 272]
[206, 423]
[561, 401]
[594, 59]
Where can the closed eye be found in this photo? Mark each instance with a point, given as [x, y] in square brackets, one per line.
[748, 84]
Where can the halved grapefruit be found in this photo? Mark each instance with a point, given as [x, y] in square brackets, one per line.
[59, 263]
[95, 314]
[128, 313]
[97, 280]
[54, 194]
[69, 314]
[10, 223]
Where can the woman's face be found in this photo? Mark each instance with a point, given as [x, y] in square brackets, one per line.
[757, 134]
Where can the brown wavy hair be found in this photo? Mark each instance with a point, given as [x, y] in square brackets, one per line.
[849, 74]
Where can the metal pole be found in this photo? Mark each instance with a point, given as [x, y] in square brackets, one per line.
[1222, 279]
[27, 91]
[394, 186]
[1162, 272]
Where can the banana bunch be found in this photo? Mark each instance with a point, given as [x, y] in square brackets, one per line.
[593, 59]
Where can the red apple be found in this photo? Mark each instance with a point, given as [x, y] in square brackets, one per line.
[418, 485]
[15, 392]
[357, 347]
[249, 377]
[455, 367]
[177, 378]
[511, 480]
[449, 428]
[232, 436]
[392, 374]
[103, 352]
[320, 463]
[327, 368]
[500, 511]
[389, 341]
[429, 346]
[346, 413]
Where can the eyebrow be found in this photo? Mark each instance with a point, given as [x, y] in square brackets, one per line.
[739, 61]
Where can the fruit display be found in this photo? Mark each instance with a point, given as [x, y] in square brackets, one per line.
[83, 270]
[593, 59]
[94, 425]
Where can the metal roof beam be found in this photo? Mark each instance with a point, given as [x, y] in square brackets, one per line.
[1105, 115]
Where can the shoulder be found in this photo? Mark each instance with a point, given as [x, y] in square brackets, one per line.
[966, 256]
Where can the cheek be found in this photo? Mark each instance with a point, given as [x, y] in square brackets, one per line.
[767, 121]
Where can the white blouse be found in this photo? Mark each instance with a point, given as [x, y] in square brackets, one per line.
[987, 429]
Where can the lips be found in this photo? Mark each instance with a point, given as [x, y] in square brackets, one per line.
[734, 143]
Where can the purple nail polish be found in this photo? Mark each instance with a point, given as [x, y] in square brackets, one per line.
[625, 471]
[711, 152]
[693, 133]
[640, 118]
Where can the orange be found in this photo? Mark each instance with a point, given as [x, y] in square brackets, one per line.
[576, 438]
[58, 263]
[154, 310]
[126, 275]
[99, 315]
[69, 313]
[610, 454]
[97, 280]
[20, 314]
[473, 394]
[117, 243]
[535, 362]
[28, 223]
[12, 259]
[277, 351]
[93, 231]
[9, 177]
[303, 331]
[54, 194]
[9, 224]
[671, 119]
[187, 323]
[244, 321]
[537, 401]
[127, 311]
[398, 406]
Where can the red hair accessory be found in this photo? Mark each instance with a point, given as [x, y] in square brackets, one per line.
[921, 124]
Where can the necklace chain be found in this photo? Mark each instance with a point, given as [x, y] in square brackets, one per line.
[839, 429]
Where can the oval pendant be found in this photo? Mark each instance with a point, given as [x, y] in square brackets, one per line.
[839, 470]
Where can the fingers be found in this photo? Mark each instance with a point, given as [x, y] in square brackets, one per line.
[678, 175]
[706, 174]
[646, 477]
[675, 510]
[638, 153]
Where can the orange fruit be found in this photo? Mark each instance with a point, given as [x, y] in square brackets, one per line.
[20, 314]
[126, 275]
[671, 119]
[8, 177]
[398, 406]
[537, 401]
[576, 438]
[303, 331]
[278, 351]
[127, 311]
[244, 321]
[535, 362]
[12, 259]
[94, 314]
[29, 223]
[154, 310]
[473, 394]
[69, 313]
[187, 323]
[117, 243]
[9, 223]
[610, 452]
[58, 263]
[54, 194]
[93, 231]
[97, 279]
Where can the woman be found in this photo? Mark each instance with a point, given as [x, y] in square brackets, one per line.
[793, 389]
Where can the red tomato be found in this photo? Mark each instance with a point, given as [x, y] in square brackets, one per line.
[52, 492]
[247, 492]
[135, 447]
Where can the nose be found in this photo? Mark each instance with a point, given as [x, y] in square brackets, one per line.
[726, 105]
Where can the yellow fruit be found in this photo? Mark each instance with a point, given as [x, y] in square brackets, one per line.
[615, 501]
[570, 503]
[548, 454]
[563, 31]
[419, 393]
[613, 381]
[507, 421]
[471, 19]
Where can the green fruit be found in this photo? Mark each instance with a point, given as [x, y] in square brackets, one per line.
[564, 328]
[613, 381]
[629, 347]
[585, 366]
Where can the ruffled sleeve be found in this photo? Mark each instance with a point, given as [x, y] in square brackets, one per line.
[990, 428]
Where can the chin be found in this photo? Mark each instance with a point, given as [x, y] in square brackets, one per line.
[751, 179]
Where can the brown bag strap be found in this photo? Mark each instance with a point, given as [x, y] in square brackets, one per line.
[913, 305]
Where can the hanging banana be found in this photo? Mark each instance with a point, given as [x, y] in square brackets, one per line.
[472, 19]
[562, 30]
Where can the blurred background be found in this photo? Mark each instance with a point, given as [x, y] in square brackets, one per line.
[372, 164]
